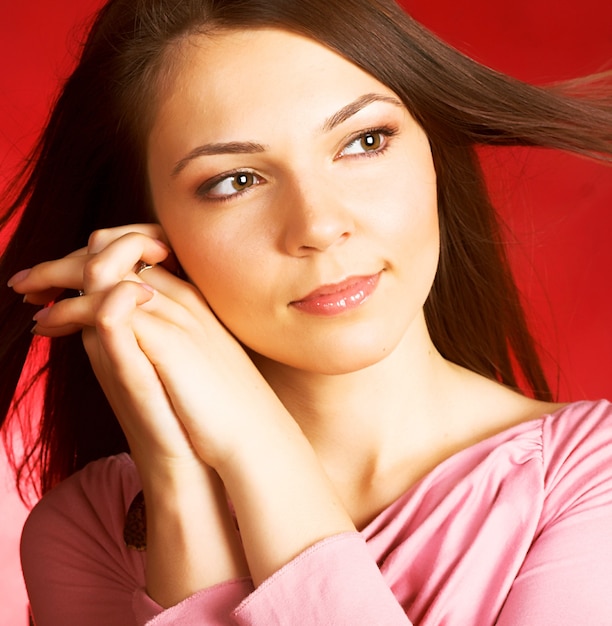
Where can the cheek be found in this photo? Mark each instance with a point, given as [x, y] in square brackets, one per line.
[408, 190]
[409, 217]
[222, 263]
[416, 240]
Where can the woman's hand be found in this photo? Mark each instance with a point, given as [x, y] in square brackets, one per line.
[138, 335]
[191, 539]
[168, 345]
[112, 295]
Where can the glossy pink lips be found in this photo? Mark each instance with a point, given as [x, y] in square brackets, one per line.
[338, 298]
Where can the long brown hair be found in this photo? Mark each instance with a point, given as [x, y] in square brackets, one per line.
[87, 172]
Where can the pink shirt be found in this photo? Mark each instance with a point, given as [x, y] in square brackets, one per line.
[515, 531]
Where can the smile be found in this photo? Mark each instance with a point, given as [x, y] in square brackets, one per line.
[335, 299]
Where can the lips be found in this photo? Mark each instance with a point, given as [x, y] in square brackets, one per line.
[338, 298]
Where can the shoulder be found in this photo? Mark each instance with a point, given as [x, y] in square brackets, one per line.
[103, 489]
[577, 429]
[577, 454]
[75, 532]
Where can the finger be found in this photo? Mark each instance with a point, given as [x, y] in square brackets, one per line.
[129, 379]
[176, 290]
[72, 314]
[56, 331]
[114, 336]
[46, 281]
[100, 239]
[133, 390]
[117, 261]
[204, 371]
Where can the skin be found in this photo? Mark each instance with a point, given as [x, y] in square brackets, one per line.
[322, 208]
[222, 383]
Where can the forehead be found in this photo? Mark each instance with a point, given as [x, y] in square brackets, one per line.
[240, 81]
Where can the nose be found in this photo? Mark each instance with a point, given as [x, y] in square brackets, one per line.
[316, 218]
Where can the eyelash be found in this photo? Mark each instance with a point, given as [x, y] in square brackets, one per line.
[386, 131]
[206, 187]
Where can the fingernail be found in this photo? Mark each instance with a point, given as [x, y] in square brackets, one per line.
[148, 287]
[42, 315]
[18, 277]
[161, 244]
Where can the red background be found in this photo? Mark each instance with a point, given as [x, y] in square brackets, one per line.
[559, 210]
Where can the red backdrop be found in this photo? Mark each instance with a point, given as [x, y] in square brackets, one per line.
[559, 210]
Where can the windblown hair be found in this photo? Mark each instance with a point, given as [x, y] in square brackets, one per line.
[88, 172]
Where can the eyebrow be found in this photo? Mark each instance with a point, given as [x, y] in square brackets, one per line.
[354, 107]
[210, 149]
[252, 147]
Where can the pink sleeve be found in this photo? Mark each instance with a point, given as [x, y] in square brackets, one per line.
[336, 581]
[209, 607]
[79, 572]
[566, 578]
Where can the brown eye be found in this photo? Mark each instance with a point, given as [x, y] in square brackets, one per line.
[241, 181]
[371, 141]
[228, 186]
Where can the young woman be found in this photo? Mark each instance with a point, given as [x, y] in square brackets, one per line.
[297, 399]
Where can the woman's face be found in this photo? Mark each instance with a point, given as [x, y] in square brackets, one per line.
[299, 196]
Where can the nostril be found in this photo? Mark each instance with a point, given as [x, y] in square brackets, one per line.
[316, 217]
[321, 240]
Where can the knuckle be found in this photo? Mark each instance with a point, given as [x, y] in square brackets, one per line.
[97, 240]
[106, 319]
[94, 270]
[116, 307]
[135, 237]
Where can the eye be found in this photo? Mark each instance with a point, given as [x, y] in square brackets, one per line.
[371, 141]
[228, 185]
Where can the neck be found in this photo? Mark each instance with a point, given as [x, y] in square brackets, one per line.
[380, 429]
[372, 413]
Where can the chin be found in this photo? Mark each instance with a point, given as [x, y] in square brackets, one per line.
[338, 357]
[354, 358]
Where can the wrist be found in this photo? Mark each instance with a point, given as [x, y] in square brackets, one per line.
[192, 541]
[284, 500]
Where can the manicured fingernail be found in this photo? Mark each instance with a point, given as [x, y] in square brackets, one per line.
[42, 315]
[150, 289]
[161, 244]
[18, 277]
